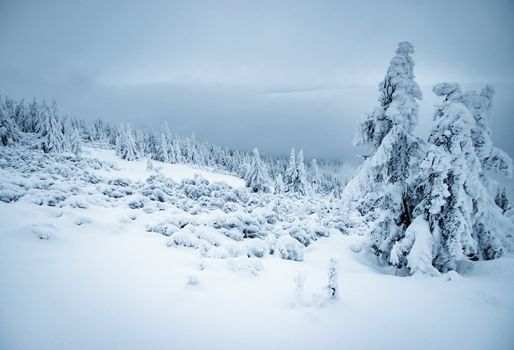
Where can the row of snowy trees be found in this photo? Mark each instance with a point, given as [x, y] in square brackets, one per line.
[430, 204]
[56, 133]
[293, 181]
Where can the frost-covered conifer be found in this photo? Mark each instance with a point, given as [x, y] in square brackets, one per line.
[9, 132]
[20, 114]
[295, 176]
[301, 185]
[314, 175]
[163, 148]
[380, 191]
[178, 151]
[463, 219]
[290, 173]
[32, 121]
[257, 178]
[279, 185]
[149, 144]
[72, 140]
[126, 146]
[51, 130]
[397, 101]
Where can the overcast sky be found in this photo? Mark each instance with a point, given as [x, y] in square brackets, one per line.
[251, 73]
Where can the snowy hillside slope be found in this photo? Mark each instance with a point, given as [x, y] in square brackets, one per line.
[136, 171]
[100, 253]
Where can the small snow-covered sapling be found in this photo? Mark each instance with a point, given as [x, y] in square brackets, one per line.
[192, 280]
[333, 288]
[299, 281]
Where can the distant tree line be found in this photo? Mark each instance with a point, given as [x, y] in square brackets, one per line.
[50, 131]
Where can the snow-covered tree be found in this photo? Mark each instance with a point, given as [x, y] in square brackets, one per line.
[20, 114]
[164, 152]
[301, 185]
[51, 130]
[9, 132]
[463, 219]
[149, 144]
[72, 140]
[290, 173]
[295, 176]
[126, 146]
[314, 175]
[279, 187]
[397, 101]
[379, 192]
[32, 120]
[257, 178]
[177, 151]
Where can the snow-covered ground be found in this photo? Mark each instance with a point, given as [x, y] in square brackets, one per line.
[137, 171]
[87, 274]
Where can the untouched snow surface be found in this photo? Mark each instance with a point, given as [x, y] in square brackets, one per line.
[94, 278]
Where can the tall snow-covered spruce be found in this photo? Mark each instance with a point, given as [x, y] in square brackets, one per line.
[9, 132]
[257, 178]
[379, 193]
[462, 216]
[126, 146]
[51, 130]
[296, 177]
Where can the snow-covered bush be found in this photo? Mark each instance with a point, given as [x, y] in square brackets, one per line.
[289, 248]
[10, 195]
[300, 234]
[185, 238]
[163, 229]
[256, 247]
[136, 203]
[158, 188]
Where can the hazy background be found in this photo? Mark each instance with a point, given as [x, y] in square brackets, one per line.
[252, 73]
